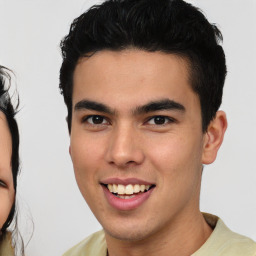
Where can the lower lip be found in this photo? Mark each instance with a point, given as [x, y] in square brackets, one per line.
[126, 204]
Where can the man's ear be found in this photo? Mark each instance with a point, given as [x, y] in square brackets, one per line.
[69, 150]
[213, 137]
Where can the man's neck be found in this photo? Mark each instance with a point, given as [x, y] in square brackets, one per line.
[183, 237]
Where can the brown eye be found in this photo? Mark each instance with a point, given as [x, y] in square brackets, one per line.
[96, 120]
[160, 120]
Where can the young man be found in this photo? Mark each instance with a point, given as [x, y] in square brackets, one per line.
[143, 81]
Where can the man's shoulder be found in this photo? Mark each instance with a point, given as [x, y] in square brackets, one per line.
[94, 245]
[237, 245]
[224, 242]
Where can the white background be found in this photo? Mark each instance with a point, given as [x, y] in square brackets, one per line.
[30, 31]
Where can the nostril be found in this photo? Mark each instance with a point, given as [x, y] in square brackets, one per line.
[130, 162]
[123, 164]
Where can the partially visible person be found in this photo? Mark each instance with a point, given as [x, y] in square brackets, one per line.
[9, 169]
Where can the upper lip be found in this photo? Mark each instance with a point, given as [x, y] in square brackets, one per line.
[126, 181]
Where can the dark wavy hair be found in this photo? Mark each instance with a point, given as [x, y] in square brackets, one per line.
[10, 111]
[169, 26]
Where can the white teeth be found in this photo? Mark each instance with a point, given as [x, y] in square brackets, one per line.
[136, 188]
[125, 197]
[127, 190]
[110, 188]
[114, 188]
[120, 189]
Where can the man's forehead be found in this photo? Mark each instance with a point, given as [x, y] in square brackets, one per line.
[131, 56]
[129, 65]
[135, 79]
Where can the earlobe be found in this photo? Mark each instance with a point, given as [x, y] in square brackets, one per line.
[214, 137]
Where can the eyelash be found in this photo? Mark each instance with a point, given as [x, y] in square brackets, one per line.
[2, 184]
[167, 120]
[85, 119]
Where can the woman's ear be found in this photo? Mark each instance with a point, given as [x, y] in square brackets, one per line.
[213, 137]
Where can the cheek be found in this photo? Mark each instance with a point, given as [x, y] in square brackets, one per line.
[86, 151]
[6, 202]
[178, 158]
[87, 154]
[178, 166]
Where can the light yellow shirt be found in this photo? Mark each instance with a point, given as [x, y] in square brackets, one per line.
[222, 242]
[6, 248]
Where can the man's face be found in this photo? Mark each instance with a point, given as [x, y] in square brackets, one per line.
[136, 121]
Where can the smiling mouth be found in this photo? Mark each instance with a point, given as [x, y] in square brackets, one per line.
[129, 191]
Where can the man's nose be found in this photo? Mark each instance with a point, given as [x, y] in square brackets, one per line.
[125, 147]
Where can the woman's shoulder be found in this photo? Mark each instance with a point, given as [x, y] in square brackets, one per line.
[6, 248]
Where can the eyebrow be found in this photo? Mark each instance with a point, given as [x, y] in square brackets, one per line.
[93, 105]
[164, 104]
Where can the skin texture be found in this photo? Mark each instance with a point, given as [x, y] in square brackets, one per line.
[6, 180]
[129, 144]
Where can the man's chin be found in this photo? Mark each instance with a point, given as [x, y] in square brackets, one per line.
[127, 234]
